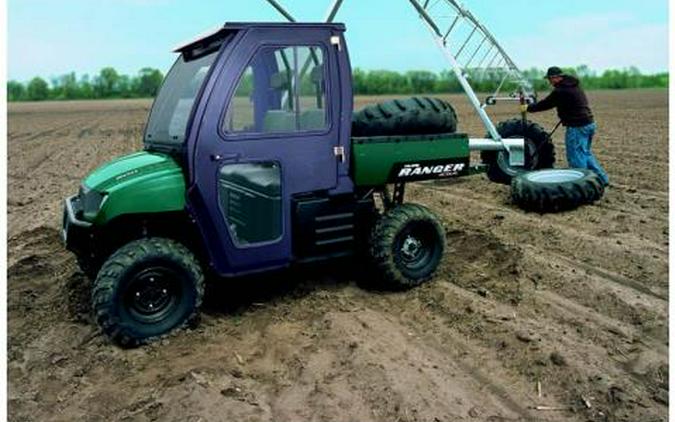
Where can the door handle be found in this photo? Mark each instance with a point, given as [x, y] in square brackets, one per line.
[223, 157]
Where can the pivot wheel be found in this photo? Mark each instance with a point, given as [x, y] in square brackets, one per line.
[146, 289]
[539, 151]
[407, 245]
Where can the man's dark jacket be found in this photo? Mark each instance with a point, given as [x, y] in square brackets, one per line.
[570, 101]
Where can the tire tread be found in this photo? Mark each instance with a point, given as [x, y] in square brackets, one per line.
[407, 116]
[103, 291]
[382, 239]
[555, 197]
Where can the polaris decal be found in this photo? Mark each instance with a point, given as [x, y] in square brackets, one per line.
[126, 174]
[424, 170]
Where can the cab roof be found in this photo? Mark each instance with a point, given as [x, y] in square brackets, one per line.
[228, 28]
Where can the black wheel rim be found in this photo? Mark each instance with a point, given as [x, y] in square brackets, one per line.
[414, 246]
[152, 294]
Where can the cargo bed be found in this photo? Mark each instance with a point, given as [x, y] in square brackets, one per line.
[379, 160]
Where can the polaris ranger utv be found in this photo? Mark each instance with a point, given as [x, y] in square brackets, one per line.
[253, 161]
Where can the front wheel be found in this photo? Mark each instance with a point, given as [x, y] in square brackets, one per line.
[406, 246]
[539, 151]
[147, 288]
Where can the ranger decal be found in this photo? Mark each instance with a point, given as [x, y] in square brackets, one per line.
[433, 169]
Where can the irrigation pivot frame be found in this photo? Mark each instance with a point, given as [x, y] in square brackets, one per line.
[473, 53]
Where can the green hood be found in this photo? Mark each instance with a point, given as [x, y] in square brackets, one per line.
[143, 182]
[128, 167]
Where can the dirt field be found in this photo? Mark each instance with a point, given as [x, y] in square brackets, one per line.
[568, 311]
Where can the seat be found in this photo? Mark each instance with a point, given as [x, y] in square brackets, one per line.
[313, 119]
[279, 121]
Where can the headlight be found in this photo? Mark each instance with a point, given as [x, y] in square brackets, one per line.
[91, 201]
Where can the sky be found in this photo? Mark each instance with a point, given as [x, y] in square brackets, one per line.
[49, 38]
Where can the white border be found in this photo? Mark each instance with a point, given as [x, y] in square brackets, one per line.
[3, 212]
[671, 200]
[3, 200]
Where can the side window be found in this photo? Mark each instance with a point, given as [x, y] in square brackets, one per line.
[283, 89]
[311, 89]
[250, 200]
[240, 111]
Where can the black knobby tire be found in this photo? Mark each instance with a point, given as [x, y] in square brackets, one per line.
[406, 246]
[146, 289]
[409, 116]
[556, 189]
[539, 151]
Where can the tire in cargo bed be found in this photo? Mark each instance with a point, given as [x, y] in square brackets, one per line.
[409, 116]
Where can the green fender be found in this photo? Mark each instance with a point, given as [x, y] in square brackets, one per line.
[139, 183]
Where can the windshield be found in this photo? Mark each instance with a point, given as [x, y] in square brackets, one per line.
[171, 110]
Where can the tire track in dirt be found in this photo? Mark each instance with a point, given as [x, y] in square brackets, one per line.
[557, 330]
[612, 277]
[632, 203]
[630, 298]
[27, 137]
[474, 356]
[477, 376]
[68, 147]
[637, 207]
[646, 247]
[639, 158]
[545, 255]
[625, 331]
[640, 216]
[553, 322]
[533, 258]
[657, 194]
[46, 149]
[564, 318]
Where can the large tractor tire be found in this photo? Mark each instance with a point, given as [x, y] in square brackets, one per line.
[410, 116]
[147, 288]
[539, 151]
[406, 246]
[556, 189]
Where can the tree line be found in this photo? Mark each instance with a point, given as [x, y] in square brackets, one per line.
[378, 82]
[109, 83]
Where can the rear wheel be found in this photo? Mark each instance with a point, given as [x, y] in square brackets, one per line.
[539, 151]
[406, 246]
[146, 289]
[556, 189]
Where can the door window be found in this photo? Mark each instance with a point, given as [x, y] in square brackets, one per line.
[250, 200]
[283, 89]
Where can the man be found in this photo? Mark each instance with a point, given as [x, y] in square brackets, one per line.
[575, 114]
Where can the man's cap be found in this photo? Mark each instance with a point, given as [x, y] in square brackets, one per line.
[553, 71]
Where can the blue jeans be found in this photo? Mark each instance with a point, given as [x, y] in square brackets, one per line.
[578, 142]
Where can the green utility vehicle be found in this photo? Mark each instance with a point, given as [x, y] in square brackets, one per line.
[254, 160]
